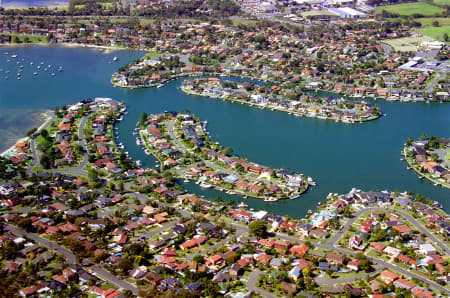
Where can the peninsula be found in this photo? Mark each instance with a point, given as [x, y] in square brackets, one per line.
[429, 157]
[291, 101]
[180, 141]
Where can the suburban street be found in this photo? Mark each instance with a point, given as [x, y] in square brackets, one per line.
[71, 258]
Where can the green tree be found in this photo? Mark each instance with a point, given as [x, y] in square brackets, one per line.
[258, 228]
[143, 120]
[45, 161]
[92, 175]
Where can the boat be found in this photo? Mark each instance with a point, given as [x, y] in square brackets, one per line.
[115, 58]
[53, 74]
[39, 67]
[60, 68]
[311, 182]
[242, 205]
[160, 85]
[35, 73]
[14, 56]
[186, 181]
[309, 211]
[205, 185]
[146, 151]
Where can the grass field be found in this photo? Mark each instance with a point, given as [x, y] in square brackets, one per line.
[408, 9]
[442, 2]
[31, 38]
[241, 21]
[435, 32]
[429, 21]
[406, 44]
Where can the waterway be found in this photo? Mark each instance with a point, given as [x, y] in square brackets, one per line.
[338, 156]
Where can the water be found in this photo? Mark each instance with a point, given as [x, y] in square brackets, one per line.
[32, 3]
[338, 156]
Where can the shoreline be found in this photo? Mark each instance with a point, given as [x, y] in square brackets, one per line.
[272, 108]
[47, 116]
[422, 175]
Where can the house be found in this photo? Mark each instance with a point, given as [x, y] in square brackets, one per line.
[392, 251]
[320, 234]
[170, 283]
[388, 277]
[138, 272]
[154, 279]
[295, 273]
[353, 264]
[335, 259]
[427, 249]
[404, 284]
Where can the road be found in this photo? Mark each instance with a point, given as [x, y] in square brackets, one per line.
[75, 171]
[71, 258]
[34, 152]
[330, 245]
[251, 284]
[406, 215]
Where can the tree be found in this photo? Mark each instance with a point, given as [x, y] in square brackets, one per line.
[92, 175]
[199, 259]
[45, 161]
[409, 141]
[143, 120]
[258, 228]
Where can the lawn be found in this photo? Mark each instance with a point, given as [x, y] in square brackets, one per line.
[241, 21]
[435, 32]
[442, 2]
[31, 38]
[429, 21]
[154, 54]
[406, 44]
[409, 9]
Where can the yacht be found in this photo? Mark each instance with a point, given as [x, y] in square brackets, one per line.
[311, 181]
[205, 185]
[115, 58]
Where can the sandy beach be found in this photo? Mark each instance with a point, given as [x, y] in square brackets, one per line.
[47, 116]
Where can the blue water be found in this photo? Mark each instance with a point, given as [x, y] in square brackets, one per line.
[338, 156]
[32, 3]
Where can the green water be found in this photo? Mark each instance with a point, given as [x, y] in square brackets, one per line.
[338, 156]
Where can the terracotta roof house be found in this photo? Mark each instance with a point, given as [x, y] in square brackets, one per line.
[388, 277]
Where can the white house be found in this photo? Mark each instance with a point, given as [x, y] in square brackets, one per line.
[427, 249]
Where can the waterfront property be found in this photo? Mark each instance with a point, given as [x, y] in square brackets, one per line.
[430, 159]
[181, 141]
[283, 99]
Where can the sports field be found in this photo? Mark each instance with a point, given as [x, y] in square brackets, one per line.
[435, 32]
[408, 9]
[406, 44]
